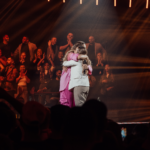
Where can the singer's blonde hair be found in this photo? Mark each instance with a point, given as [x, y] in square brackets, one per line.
[81, 50]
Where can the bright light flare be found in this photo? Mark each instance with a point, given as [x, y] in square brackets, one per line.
[115, 3]
[96, 2]
[147, 4]
[80, 1]
[48, 0]
[130, 3]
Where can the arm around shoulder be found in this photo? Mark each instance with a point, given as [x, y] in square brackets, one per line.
[70, 63]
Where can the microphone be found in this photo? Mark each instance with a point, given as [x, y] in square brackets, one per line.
[84, 62]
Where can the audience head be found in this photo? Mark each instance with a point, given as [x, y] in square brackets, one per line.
[8, 121]
[107, 69]
[22, 68]
[58, 74]
[91, 40]
[25, 40]
[39, 52]
[99, 56]
[60, 55]
[35, 116]
[5, 143]
[54, 40]
[6, 38]
[114, 128]
[79, 130]
[99, 110]
[140, 130]
[46, 66]
[23, 56]
[109, 141]
[9, 61]
[70, 36]
[58, 117]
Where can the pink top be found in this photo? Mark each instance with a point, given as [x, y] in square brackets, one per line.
[65, 76]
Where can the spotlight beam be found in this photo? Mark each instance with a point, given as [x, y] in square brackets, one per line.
[130, 3]
[147, 4]
[96, 2]
[115, 3]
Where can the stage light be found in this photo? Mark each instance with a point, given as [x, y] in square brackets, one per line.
[147, 3]
[96, 2]
[63, 1]
[130, 3]
[48, 0]
[115, 3]
[80, 1]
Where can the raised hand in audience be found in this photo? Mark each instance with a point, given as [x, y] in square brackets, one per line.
[49, 43]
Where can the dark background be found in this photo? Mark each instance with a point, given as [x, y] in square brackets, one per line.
[124, 32]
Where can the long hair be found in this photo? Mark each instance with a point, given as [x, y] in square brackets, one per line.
[66, 55]
[78, 44]
[109, 71]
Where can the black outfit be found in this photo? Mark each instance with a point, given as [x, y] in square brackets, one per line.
[54, 85]
[65, 43]
[2, 71]
[91, 53]
[107, 95]
[18, 64]
[57, 62]
[6, 50]
[54, 48]
[36, 68]
[46, 145]
[98, 68]
[36, 73]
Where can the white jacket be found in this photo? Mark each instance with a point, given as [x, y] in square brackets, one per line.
[77, 77]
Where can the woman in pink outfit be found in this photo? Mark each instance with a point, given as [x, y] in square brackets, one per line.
[66, 96]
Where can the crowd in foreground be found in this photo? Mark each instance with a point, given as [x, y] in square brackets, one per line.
[61, 127]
